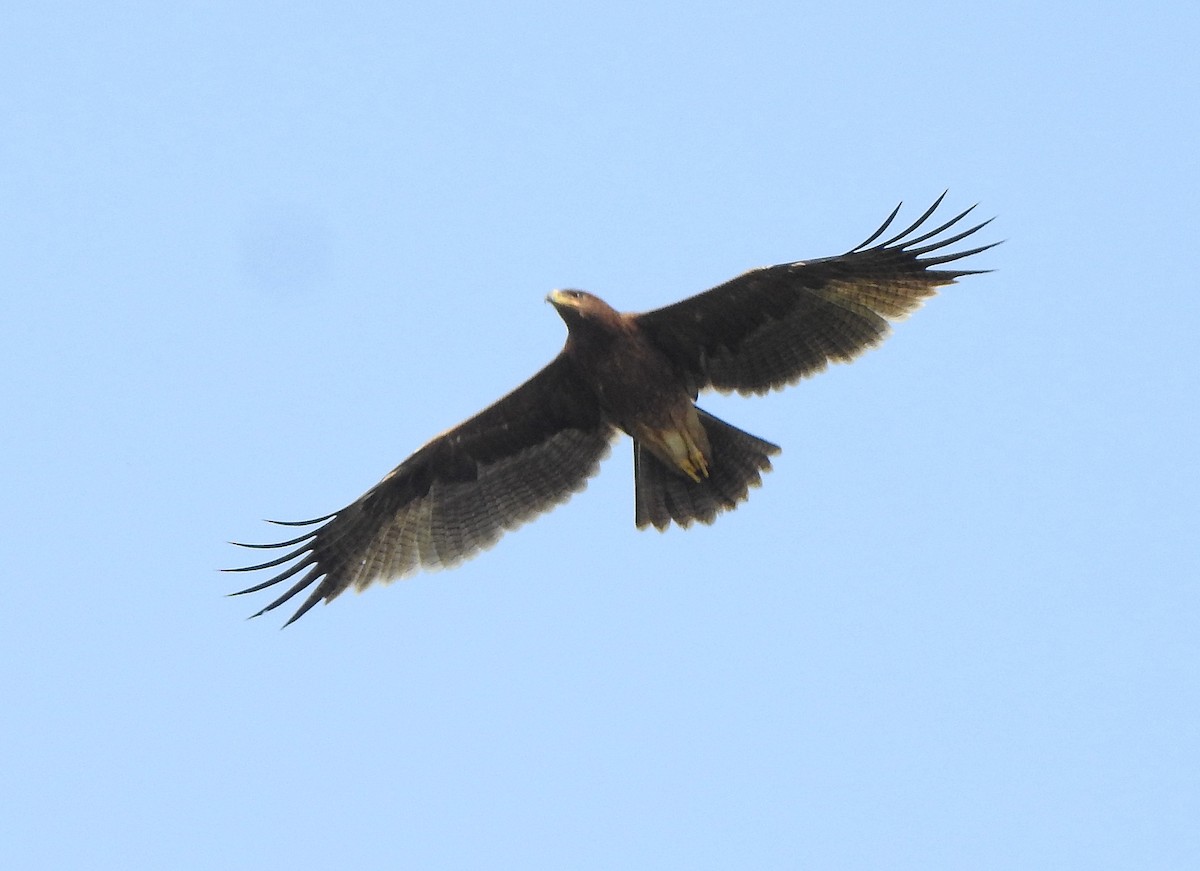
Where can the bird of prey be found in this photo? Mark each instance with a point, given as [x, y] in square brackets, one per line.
[637, 374]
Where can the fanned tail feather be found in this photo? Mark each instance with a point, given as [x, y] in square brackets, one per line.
[664, 495]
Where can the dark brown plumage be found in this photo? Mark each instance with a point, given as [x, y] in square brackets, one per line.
[632, 373]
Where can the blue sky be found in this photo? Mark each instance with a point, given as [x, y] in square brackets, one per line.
[255, 255]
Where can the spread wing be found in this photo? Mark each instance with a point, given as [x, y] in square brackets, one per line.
[455, 496]
[771, 327]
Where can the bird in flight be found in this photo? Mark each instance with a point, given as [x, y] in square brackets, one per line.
[637, 374]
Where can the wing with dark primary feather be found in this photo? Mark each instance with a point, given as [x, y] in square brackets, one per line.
[770, 327]
[456, 495]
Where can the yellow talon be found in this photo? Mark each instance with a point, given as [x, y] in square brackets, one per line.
[695, 466]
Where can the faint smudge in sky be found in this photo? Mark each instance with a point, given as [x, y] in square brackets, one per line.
[285, 249]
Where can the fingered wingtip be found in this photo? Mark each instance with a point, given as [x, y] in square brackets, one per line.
[301, 522]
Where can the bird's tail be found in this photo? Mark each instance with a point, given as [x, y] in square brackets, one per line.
[736, 464]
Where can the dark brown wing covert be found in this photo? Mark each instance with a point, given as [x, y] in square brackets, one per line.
[771, 327]
[456, 496]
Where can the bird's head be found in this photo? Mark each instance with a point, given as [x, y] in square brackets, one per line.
[578, 307]
[567, 300]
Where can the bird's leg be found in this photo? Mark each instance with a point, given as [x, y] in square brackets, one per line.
[677, 448]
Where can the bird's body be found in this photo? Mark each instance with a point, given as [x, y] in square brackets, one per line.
[634, 383]
[634, 373]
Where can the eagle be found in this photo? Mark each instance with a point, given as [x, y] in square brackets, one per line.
[638, 374]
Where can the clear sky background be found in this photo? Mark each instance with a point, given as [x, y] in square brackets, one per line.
[253, 255]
